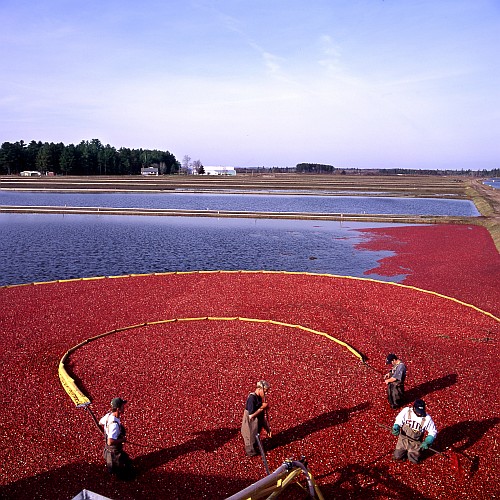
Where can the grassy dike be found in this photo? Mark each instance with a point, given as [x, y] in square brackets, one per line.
[487, 201]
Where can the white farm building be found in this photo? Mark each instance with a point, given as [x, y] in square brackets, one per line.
[219, 170]
[30, 173]
[149, 171]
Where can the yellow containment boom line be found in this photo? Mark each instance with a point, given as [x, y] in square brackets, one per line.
[298, 273]
[71, 388]
[81, 400]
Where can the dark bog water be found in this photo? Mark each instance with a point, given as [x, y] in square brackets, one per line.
[247, 202]
[37, 247]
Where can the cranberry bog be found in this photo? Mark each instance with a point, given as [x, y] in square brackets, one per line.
[185, 349]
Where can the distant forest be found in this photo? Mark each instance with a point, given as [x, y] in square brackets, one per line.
[318, 168]
[86, 158]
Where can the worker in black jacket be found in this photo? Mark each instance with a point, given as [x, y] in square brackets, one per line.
[255, 418]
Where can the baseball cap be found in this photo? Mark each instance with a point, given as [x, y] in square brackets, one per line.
[419, 407]
[117, 402]
[390, 358]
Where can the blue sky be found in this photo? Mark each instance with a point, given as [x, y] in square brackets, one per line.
[351, 83]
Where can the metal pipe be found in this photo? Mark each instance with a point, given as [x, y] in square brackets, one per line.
[269, 483]
[262, 484]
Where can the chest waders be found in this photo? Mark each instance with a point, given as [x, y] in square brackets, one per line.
[395, 392]
[113, 453]
[410, 439]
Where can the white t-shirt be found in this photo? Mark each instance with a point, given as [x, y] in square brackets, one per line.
[407, 416]
[111, 425]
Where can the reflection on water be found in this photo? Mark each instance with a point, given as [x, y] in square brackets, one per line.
[247, 202]
[39, 247]
[494, 183]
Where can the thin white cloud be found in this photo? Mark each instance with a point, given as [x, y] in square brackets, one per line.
[330, 53]
[272, 62]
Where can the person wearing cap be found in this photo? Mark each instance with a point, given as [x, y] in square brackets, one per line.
[395, 381]
[255, 418]
[117, 461]
[416, 431]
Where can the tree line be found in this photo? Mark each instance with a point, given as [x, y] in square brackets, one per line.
[86, 158]
[318, 168]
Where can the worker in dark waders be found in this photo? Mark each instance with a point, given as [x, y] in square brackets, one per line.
[395, 381]
[118, 462]
[255, 418]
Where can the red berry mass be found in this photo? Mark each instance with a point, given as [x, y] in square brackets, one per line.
[186, 382]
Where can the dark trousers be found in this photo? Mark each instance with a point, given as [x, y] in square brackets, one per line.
[118, 462]
[395, 394]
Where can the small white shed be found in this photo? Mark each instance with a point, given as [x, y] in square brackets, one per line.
[149, 171]
[30, 173]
